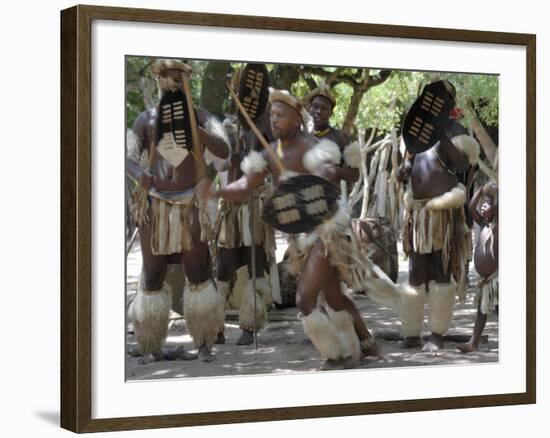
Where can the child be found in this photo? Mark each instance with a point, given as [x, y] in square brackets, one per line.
[485, 259]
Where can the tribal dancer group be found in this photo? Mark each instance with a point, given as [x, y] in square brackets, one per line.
[284, 165]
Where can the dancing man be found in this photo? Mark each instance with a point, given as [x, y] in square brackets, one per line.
[321, 103]
[170, 212]
[435, 235]
[235, 238]
[327, 256]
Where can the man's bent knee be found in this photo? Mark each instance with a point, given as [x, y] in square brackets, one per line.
[304, 302]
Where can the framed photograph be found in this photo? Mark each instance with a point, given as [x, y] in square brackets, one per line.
[116, 65]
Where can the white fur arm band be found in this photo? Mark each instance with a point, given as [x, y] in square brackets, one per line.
[215, 129]
[352, 155]
[220, 164]
[325, 151]
[254, 162]
[467, 145]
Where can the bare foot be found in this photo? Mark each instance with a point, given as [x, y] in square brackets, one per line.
[133, 350]
[333, 364]
[372, 349]
[343, 363]
[247, 338]
[220, 339]
[178, 353]
[434, 344]
[467, 347]
[149, 358]
[350, 362]
[410, 342]
[205, 355]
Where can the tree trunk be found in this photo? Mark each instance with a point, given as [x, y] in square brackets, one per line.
[213, 91]
[353, 109]
[149, 87]
[283, 76]
[359, 90]
[485, 140]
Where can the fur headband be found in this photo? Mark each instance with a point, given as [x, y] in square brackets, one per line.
[161, 66]
[322, 90]
[287, 98]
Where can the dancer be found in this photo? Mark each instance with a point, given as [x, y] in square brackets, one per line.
[328, 255]
[435, 235]
[171, 214]
[321, 103]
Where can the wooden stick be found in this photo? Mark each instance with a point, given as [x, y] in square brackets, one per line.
[254, 128]
[364, 173]
[201, 167]
[253, 263]
[132, 240]
[487, 170]
[378, 144]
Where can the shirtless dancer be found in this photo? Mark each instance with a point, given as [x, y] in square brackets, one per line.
[173, 222]
[321, 104]
[435, 236]
[234, 240]
[485, 259]
[330, 317]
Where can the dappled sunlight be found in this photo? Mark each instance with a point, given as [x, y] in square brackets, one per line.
[284, 348]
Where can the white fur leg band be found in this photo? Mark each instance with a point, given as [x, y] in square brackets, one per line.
[224, 289]
[441, 300]
[411, 310]
[246, 312]
[343, 321]
[203, 309]
[325, 151]
[150, 312]
[323, 332]
[263, 286]
[254, 162]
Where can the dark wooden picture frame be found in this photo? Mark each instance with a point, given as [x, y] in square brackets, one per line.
[76, 218]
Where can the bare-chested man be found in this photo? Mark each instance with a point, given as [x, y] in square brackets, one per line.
[325, 255]
[234, 240]
[485, 259]
[321, 104]
[172, 218]
[435, 236]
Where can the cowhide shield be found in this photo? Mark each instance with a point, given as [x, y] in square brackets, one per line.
[428, 118]
[173, 128]
[300, 203]
[253, 91]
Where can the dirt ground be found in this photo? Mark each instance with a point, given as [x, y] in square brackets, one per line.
[282, 346]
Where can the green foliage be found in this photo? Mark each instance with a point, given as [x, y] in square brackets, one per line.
[134, 105]
[137, 71]
[382, 106]
[479, 90]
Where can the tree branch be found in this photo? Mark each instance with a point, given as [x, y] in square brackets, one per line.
[380, 78]
[328, 76]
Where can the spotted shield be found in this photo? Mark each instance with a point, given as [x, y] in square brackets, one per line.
[428, 117]
[253, 91]
[301, 203]
[173, 128]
